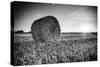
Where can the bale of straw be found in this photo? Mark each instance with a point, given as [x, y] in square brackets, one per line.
[45, 29]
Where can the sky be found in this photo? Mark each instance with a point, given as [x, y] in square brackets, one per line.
[72, 18]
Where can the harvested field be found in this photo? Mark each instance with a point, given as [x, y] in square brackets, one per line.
[69, 48]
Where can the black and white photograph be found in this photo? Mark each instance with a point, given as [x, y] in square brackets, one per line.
[52, 33]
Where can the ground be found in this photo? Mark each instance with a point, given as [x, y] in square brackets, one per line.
[69, 48]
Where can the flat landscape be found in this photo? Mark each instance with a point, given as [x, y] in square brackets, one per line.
[70, 47]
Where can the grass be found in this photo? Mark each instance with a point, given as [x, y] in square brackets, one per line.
[62, 51]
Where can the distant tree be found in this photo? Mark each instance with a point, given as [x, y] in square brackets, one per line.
[94, 33]
[29, 32]
[19, 31]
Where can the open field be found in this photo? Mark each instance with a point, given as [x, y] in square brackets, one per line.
[69, 48]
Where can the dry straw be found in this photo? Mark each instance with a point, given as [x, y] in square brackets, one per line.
[45, 29]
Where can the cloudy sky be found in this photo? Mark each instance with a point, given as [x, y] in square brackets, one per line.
[72, 18]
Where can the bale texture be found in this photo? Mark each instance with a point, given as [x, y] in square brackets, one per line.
[45, 29]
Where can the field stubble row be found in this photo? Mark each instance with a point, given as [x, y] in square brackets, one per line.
[61, 51]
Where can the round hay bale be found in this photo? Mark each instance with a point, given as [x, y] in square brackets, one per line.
[45, 29]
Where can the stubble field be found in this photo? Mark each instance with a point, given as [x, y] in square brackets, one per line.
[69, 48]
